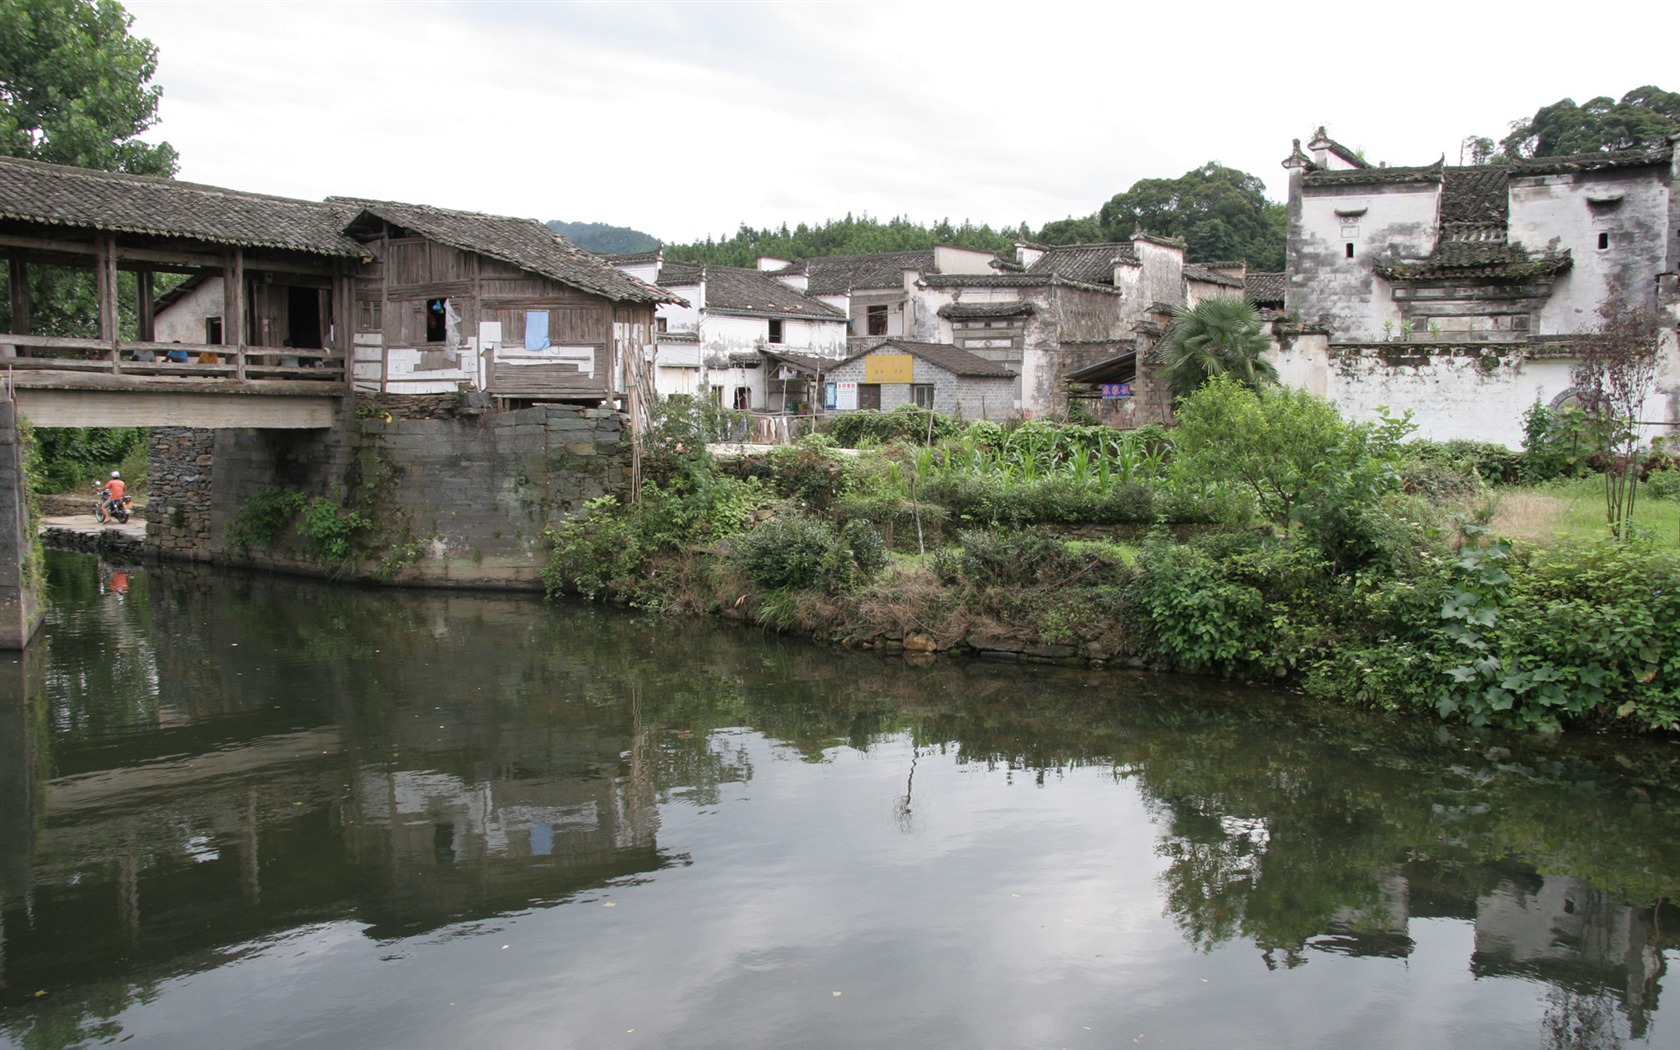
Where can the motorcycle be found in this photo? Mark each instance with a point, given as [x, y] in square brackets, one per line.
[108, 510]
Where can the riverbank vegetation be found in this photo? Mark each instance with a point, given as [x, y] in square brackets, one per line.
[1264, 538]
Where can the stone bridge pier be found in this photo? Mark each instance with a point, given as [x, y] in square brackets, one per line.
[22, 585]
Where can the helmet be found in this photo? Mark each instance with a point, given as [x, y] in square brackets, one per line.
[115, 474]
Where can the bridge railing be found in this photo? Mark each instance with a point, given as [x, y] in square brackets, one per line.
[203, 360]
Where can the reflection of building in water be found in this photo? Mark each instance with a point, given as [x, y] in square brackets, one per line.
[1552, 928]
[163, 859]
[448, 846]
[1567, 932]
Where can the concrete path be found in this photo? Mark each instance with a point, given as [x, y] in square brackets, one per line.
[86, 523]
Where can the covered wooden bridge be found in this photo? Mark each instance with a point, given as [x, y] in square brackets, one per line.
[275, 353]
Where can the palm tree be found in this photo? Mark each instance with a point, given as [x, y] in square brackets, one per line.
[1220, 334]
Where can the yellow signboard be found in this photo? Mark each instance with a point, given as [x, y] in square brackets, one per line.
[889, 368]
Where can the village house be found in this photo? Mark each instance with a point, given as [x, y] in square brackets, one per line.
[1066, 321]
[897, 372]
[446, 301]
[877, 291]
[713, 341]
[1455, 292]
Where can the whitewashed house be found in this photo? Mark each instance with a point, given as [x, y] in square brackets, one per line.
[1455, 292]
[711, 343]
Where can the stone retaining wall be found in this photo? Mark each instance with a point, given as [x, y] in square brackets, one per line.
[458, 498]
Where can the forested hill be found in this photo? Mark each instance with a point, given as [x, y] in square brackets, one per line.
[848, 236]
[602, 239]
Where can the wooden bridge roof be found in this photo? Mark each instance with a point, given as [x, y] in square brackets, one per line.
[82, 198]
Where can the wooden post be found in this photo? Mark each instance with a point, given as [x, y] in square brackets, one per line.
[387, 316]
[344, 323]
[18, 272]
[147, 331]
[233, 308]
[106, 263]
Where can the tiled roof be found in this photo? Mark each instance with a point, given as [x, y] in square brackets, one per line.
[673, 273]
[1200, 272]
[803, 362]
[834, 274]
[1479, 259]
[942, 355]
[1120, 368]
[1264, 288]
[1362, 176]
[968, 311]
[525, 243]
[989, 280]
[738, 290]
[632, 258]
[1475, 194]
[1091, 263]
[32, 191]
[1574, 162]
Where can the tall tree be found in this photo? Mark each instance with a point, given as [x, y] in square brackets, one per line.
[849, 236]
[1643, 118]
[75, 87]
[1220, 213]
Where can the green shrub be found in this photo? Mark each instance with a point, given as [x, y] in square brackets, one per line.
[260, 520]
[906, 424]
[597, 554]
[1236, 603]
[1663, 484]
[799, 553]
[1574, 633]
[1558, 444]
[987, 560]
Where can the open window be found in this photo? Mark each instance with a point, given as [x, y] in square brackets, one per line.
[775, 330]
[922, 394]
[437, 320]
[877, 319]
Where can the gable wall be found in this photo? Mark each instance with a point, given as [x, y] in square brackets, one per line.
[1399, 219]
[1554, 213]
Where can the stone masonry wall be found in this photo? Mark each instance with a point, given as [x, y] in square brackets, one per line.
[178, 492]
[456, 500]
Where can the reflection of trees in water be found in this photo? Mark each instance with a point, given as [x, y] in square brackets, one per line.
[1577, 1020]
[1300, 829]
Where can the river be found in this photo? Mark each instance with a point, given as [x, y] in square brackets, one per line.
[258, 811]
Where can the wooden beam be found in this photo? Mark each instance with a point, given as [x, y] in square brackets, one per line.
[18, 275]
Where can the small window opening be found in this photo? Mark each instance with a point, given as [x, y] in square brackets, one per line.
[775, 330]
[1603, 241]
[877, 320]
[1350, 249]
[922, 394]
[743, 399]
[437, 321]
[213, 331]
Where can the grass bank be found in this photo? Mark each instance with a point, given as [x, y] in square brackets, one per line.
[1265, 538]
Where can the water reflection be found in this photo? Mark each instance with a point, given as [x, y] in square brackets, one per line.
[199, 766]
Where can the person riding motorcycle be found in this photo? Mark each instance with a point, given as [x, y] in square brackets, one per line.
[111, 497]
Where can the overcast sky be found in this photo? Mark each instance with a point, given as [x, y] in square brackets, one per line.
[688, 119]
